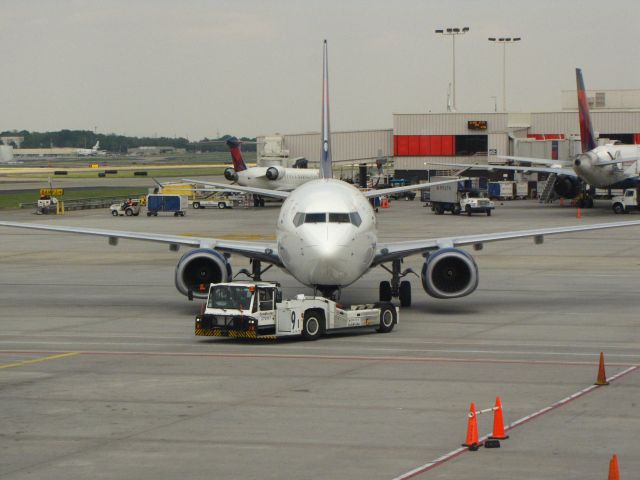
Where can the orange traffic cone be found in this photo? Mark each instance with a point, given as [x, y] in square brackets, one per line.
[472, 430]
[614, 473]
[498, 422]
[602, 376]
[384, 203]
[578, 213]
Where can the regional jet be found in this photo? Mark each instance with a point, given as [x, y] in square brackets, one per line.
[91, 152]
[272, 178]
[604, 166]
[326, 239]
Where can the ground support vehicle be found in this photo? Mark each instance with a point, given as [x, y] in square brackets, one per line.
[455, 198]
[257, 310]
[47, 205]
[501, 190]
[400, 182]
[127, 208]
[626, 202]
[218, 200]
[176, 204]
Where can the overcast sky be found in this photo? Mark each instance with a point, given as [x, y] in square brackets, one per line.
[198, 67]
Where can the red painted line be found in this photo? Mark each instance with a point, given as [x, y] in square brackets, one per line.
[560, 403]
[279, 356]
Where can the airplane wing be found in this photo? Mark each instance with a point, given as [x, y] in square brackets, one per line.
[257, 191]
[559, 171]
[265, 251]
[407, 188]
[390, 251]
[541, 161]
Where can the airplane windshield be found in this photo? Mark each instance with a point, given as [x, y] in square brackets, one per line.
[339, 218]
[230, 297]
[315, 218]
[334, 217]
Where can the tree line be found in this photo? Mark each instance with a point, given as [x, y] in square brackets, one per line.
[119, 143]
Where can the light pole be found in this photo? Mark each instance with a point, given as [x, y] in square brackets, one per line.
[453, 32]
[504, 41]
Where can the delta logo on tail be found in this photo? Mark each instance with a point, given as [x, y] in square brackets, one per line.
[587, 138]
[236, 155]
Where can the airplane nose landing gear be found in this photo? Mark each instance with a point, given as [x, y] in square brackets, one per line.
[396, 288]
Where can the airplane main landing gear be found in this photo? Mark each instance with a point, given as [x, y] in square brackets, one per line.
[396, 288]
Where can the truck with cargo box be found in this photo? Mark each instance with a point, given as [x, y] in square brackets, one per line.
[176, 204]
[257, 310]
[458, 197]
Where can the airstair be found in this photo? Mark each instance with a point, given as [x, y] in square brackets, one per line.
[548, 194]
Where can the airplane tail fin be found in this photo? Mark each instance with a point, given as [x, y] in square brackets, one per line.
[236, 155]
[326, 170]
[587, 137]
[96, 146]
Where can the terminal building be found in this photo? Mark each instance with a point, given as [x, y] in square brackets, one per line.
[421, 144]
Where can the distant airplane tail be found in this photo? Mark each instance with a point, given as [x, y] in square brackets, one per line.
[587, 137]
[236, 155]
[326, 170]
[96, 146]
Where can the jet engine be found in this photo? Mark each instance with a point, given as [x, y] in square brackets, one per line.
[200, 267]
[273, 173]
[230, 174]
[566, 186]
[449, 273]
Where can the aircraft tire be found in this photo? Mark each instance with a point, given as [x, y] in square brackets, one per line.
[385, 291]
[405, 294]
[387, 318]
[312, 325]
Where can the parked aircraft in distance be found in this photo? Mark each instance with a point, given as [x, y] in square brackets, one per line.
[273, 177]
[91, 152]
[604, 166]
[326, 239]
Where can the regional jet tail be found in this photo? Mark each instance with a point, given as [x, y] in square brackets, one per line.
[605, 166]
[326, 238]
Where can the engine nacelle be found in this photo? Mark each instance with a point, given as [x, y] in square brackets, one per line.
[449, 273]
[273, 173]
[200, 267]
[566, 186]
[230, 174]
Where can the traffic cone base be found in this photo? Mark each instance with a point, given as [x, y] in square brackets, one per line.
[602, 376]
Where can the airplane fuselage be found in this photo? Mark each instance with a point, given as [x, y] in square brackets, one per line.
[326, 234]
[288, 178]
[604, 176]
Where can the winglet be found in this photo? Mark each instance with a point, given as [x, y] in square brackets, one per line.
[325, 159]
[587, 138]
[236, 155]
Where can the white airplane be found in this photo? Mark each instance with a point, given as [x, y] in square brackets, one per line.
[326, 239]
[604, 166]
[272, 178]
[91, 152]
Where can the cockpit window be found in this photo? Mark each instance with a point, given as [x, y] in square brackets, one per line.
[315, 218]
[298, 219]
[333, 217]
[339, 218]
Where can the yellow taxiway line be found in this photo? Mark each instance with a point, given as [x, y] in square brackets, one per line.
[38, 360]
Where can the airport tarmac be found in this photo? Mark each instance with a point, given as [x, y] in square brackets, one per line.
[101, 375]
